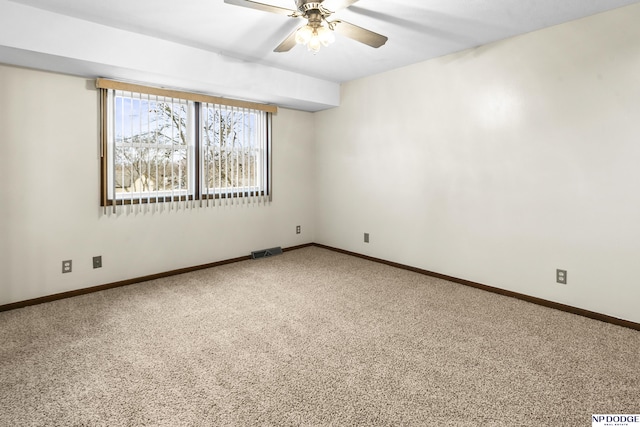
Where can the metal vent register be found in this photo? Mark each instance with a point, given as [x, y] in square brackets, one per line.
[264, 253]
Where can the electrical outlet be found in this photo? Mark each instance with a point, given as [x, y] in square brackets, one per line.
[298, 229]
[66, 266]
[97, 261]
[366, 237]
[561, 276]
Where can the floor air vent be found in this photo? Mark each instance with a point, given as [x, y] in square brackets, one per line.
[266, 253]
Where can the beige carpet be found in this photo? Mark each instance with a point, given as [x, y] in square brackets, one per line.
[311, 337]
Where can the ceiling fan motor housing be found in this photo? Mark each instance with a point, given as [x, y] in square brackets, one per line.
[311, 7]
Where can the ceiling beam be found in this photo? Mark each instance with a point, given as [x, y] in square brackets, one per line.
[41, 39]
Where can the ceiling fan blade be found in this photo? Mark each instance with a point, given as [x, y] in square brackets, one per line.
[336, 5]
[359, 34]
[288, 43]
[261, 6]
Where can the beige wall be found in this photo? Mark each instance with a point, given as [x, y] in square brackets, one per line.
[49, 169]
[498, 165]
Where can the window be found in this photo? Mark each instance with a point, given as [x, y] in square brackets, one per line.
[162, 146]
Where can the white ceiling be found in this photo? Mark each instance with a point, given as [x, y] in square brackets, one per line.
[417, 29]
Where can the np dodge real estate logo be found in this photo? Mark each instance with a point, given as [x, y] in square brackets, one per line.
[611, 420]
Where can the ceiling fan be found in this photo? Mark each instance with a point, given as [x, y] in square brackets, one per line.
[318, 31]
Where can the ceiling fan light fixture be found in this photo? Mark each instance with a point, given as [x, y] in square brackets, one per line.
[314, 37]
[325, 36]
[314, 44]
[304, 34]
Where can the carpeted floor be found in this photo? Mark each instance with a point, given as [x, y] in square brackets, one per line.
[311, 337]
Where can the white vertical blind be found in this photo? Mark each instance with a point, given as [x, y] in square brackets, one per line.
[154, 157]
